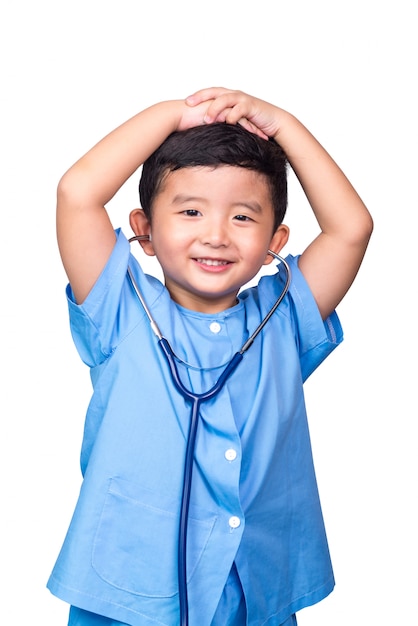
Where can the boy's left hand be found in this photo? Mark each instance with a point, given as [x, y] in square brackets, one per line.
[237, 107]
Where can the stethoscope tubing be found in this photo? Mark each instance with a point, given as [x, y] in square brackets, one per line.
[196, 400]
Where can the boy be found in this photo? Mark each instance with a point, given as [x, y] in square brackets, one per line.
[213, 194]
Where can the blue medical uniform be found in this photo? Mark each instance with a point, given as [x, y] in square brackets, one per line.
[254, 500]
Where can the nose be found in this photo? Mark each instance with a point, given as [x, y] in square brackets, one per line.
[215, 233]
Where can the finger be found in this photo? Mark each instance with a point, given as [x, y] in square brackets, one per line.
[231, 105]
[252, 128]
[221, 117]
[203, 95]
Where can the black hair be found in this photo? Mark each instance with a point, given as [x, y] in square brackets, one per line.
[213, 145]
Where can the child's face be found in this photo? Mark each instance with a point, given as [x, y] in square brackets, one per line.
[211, 229]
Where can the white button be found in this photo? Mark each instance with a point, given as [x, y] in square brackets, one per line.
[234, 521]
[215, 327]
[230, 454]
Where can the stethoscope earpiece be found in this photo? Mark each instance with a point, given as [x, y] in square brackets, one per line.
[140, 238]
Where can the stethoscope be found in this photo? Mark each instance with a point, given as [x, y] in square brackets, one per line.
[196, 400]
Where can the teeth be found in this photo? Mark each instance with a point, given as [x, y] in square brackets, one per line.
[211, 262]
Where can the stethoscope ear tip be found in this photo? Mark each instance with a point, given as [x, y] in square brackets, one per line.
[140, 238]
[274, 255]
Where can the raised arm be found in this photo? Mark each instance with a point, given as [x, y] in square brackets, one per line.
[331, 262]
[85, 234]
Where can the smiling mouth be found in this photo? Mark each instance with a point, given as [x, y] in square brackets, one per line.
[212, 262]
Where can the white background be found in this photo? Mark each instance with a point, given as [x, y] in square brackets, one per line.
[71, 72]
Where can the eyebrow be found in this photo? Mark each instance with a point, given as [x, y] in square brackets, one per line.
[255, 207]
[181, 198]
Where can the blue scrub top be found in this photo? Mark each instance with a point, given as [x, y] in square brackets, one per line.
[254, 497]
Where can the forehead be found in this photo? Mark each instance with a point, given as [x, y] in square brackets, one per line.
[223, 180]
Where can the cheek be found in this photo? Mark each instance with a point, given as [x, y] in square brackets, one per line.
[255, 250]
[168, 247]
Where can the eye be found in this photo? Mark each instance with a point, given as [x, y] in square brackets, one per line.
[191, 212]
[243, 218]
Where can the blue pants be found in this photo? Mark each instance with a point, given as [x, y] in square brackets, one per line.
[231, 610]
[78, 617]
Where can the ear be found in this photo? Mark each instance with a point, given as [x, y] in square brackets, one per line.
[278, 241]
[141, 226]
